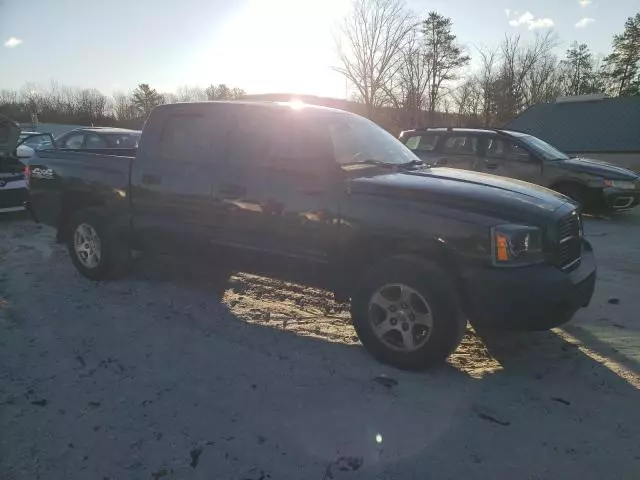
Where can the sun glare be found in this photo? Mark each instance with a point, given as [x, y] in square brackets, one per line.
[296, 104]
[295, 52]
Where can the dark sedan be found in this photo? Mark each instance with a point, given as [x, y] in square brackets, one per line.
[99, 137]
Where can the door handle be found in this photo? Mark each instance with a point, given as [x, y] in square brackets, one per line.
[231, 190]
[151, 179]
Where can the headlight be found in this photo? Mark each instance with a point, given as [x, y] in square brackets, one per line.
[516, 245]
[621, 184]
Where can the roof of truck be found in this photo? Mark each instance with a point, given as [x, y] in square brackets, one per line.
[106, 130]
[296, 105]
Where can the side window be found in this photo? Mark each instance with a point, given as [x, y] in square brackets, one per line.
[74, 140]
[251, 139]
[506, 150]
[299, 145]
[95, 141]
[423, 143]
[280, 140]
[184, 138]
[461, 145]
[123, 141]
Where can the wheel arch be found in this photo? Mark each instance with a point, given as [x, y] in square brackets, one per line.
[367, 254]
[70, 202]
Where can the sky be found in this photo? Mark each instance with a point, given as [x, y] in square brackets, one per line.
[258, 45]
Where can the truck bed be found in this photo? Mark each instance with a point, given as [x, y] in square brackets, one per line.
[82, 172]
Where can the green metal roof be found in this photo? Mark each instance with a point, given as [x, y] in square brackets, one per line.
[607, 125]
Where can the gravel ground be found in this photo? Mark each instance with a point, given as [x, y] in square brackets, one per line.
[170, 374]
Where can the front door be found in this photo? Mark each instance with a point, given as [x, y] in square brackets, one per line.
[508, 158]
[458, 150]
[275, 192]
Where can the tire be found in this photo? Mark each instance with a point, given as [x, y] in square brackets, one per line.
[114, 256]
[423, 281]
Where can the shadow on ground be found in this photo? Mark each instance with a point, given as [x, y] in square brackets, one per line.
[176, 373]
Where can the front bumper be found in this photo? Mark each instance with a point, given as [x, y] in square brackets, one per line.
[618, 199]
[529, 298]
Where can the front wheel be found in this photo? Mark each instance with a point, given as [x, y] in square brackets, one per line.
[588, 200]
[96, 250]
[407, 315]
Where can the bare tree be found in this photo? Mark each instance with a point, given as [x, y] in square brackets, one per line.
[512, 89]
[370, 45]
[543, 82]
[466, 99]
[407, 89]
[187, 94]
[124, 108]
[486, 82]
[223, 92]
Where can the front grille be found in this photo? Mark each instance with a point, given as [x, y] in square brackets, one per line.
[569, 253]
[13, 197]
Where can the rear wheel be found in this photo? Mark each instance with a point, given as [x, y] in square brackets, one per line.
[407, 315]
[96, 250]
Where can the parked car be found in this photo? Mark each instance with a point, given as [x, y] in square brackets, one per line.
[29, 142]
[99, 137]
[13, 184]
[327, 198]
[593, 184]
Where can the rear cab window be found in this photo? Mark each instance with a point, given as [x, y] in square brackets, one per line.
[187, 137]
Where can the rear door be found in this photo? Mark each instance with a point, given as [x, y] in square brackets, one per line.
[509, 158]
[172, 177]
[459, 150]
[93, 140]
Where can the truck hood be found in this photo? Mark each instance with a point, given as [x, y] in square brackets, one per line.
[596, 167]
[9, 135]
[473, 192]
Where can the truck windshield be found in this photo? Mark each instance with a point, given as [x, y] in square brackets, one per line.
[542, 148]
[358, 140]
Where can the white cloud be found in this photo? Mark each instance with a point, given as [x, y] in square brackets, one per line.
[524, 18]
[507, 12]
[527, 18]
[585, 22]
[541, 23]
[12, 42]
[584, 3]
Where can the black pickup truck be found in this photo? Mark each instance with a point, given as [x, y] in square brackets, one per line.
[342, 205]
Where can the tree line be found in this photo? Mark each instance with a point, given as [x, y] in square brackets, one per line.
[392, 58]
[395, 62]
[62, 104]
